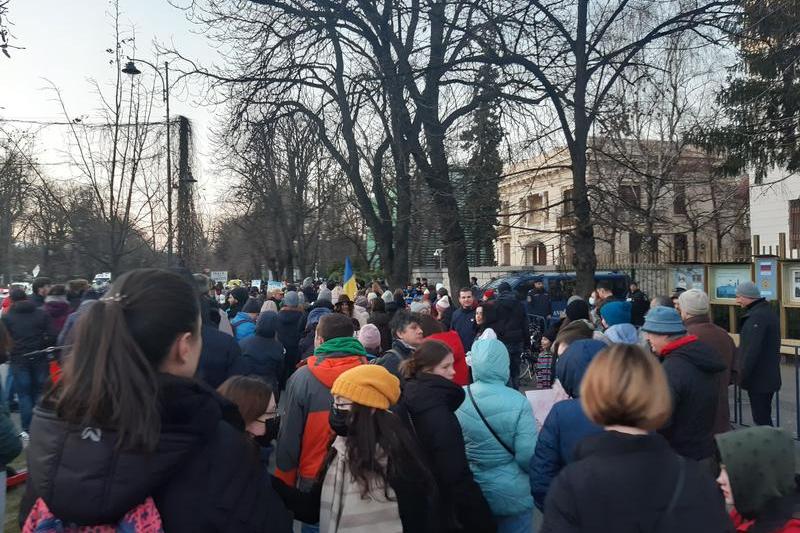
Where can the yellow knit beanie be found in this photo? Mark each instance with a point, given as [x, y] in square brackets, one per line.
[368, 385]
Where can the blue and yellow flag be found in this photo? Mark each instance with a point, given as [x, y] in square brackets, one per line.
[349, 287]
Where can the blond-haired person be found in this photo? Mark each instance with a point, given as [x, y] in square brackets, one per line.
[627, 479]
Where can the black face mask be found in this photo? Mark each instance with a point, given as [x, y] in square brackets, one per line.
[338, 421]
[271, 426]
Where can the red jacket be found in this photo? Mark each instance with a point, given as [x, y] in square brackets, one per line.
[792, 526]
[452, 339]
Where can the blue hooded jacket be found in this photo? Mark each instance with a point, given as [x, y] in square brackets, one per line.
[262, 354]
[243, 326]
[622, 334]
[502, 477]
[567, 424]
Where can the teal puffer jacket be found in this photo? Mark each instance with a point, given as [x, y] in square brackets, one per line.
[503, 478]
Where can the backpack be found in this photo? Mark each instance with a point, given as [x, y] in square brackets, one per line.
[144, 518]
[236, 323]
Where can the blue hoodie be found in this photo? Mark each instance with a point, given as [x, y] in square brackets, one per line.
[262, 354]
[622, 334]
[567, 424]
[243, 326]
[502, 476]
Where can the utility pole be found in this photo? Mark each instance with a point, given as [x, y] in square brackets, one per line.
[183, 193]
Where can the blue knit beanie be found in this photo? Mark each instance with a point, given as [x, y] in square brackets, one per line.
[663, 321]
[616, 313]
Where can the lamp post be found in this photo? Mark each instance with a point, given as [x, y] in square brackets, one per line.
[130, 69]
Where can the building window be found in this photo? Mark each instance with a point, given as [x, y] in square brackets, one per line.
[681, 247]
[535, 254]
[794, 224]
[634, 243]
[506, 260]
[535, 211]
[631, 196]
[569, 203]
[679, 201]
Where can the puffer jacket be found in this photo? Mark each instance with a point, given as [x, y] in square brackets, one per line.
[566, 424]
[204, 475]
[503, 477]
[243, 326]
[262, 354]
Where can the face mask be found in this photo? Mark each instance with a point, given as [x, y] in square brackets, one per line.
[338, 421]
[271, 432]
[591, 300]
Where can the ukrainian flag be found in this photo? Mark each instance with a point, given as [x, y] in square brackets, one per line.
[349, 287]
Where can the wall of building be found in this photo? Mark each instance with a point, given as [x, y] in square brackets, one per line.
[769, 207]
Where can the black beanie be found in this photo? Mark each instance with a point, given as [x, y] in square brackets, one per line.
[240, 293]
[578, 310]
[252, 306]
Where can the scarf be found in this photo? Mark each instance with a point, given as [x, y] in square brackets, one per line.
[348, 345]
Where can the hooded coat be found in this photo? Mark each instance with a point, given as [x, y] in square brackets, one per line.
[243, 326]
[205, 474]
[288, 332]
[693, 372]
[305, 433]
[58, 310]
[503, 477]
[306, 345]
[217, 358]
[566, 424]
[381, 320]
[622, 334]
[428, 406]
[719, 339]
[624, 483]
[760, 465]
[262, 354]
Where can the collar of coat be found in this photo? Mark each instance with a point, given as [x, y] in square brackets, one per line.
[674, 345]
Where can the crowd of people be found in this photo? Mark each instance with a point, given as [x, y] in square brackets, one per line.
[182, 406]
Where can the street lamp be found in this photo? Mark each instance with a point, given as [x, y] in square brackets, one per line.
[131, 70]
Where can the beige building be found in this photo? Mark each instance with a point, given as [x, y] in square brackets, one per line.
[651, 202]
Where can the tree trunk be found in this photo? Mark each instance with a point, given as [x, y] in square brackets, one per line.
[584, 258]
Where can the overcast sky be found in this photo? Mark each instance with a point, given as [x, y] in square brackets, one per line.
[65, 42]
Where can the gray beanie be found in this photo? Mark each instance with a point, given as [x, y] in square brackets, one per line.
[387, 296]
[694, 302]
[324, 294]
[748, 289]
[574, 298]
[291, 299]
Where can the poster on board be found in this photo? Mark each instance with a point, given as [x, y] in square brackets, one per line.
[256, 283]
[767, 278]
[272, 285]
[727, 278]
[689, 277]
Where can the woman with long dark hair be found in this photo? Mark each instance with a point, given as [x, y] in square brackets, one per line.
[373, 478]
[128, 425]
[430, 399]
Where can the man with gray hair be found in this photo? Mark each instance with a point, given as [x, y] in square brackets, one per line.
[759, 352]
[694, 312]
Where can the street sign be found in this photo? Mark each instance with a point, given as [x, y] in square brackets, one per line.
[219, 276]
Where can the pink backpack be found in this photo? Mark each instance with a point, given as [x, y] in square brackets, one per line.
[144, 518]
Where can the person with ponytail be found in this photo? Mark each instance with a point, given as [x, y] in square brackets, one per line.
[128, 425]
[373, 477]
[428, 404]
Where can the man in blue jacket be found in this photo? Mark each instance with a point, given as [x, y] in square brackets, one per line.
[463, 320]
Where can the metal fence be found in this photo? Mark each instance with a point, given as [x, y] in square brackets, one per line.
[786, 404]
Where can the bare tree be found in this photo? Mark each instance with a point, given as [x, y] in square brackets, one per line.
[575, 54]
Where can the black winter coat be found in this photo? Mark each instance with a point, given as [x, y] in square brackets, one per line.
[262, 353]
[693, 372]
[428, 406]
[205, 475]
[511, 320]
[759, 349]
[381, 321]
[624, 483]
[288, 332]
[220, 352]
[30, 329]
[463, 322]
